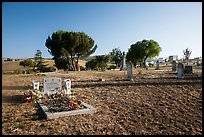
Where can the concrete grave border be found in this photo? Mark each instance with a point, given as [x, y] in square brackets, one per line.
[49, 115]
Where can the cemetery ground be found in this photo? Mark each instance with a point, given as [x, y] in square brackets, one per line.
[156, 102]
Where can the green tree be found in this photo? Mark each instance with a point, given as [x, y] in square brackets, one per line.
[71, 45]
[85, 47]
[117, 56]
[26, 63]
[61, 63]
[39, 63]
[142, 50]
[99, 63]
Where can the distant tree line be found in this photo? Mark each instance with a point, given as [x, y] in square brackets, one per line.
[37, 65]
[67, 47]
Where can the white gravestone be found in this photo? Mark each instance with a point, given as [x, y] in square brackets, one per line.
[129, 71]
[180, 70]
[36, 85]
[52, 85]
[67, 86]
[123, 66]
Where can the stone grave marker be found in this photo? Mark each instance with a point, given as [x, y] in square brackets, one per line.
[52, 85]
[180, 70]
[174, 66]
[129, 70]
[157, 65]
[188, 69]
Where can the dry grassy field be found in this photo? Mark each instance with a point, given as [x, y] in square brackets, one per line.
[154, 103]
[11, 66]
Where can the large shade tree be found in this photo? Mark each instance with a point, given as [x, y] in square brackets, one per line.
[141, 50]
[71, 46]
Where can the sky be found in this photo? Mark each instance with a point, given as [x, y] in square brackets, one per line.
[174, 25]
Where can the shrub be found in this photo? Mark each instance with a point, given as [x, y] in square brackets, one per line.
[82, 68]
[111, 67]
[48, 69]
[30, 71]
[18, 71]
[99, 63]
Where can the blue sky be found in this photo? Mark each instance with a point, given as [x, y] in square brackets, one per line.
[175, 26]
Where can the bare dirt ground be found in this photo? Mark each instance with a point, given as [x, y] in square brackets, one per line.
[154, 103]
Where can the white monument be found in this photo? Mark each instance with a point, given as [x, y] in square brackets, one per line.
[129, 71]
[123, 66]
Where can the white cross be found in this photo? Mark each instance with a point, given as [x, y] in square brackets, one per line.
[68, 86]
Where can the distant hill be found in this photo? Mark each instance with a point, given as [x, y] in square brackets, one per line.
[88, 58]
[14, 65]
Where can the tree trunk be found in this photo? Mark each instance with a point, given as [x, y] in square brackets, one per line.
[77, 63]
[73, 62]
[144, 62]
[187, 62]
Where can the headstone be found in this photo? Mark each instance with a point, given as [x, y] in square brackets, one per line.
[188, 69]
[129, 71]
[36, 85]
[180, 70]
[52, 85]
[157, 65]
[174, 66]
[68, 86]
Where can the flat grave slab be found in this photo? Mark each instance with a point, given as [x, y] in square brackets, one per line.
[50, 115]
[53, 91]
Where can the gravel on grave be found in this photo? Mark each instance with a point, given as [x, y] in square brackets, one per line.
[149, 105]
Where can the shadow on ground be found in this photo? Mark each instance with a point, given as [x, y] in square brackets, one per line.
[136, 83]
[39, 115]
[15, 99]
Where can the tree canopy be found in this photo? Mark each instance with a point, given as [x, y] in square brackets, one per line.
[142, 50]
[117, 56]
[26, 63]
[71, 46]
[99, 63]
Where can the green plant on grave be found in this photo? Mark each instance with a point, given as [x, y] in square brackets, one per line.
[36, 95]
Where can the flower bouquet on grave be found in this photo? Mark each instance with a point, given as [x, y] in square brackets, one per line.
[61, 102]
[27, 98]
[36, 95]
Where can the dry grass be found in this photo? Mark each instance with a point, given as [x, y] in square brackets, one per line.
[154, 103]
[11, 66]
